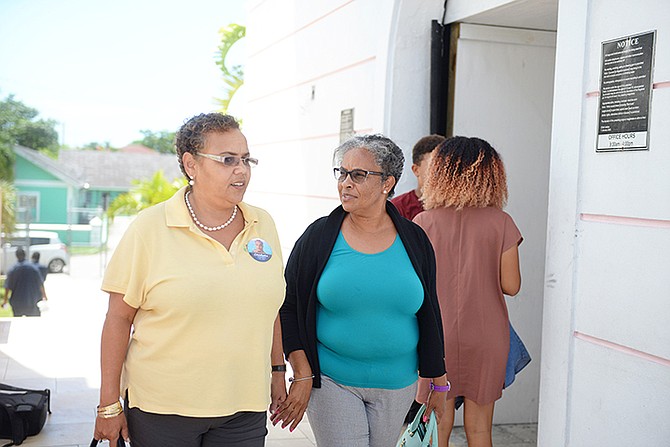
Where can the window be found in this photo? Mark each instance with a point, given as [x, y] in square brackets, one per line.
[39, 241]
[27, 209]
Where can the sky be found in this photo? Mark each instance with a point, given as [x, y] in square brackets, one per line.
[106, 69]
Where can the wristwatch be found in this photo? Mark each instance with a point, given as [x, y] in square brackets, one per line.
[278, 368]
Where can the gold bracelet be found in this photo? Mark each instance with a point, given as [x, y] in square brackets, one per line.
[110, 411]
[109, 416]
[111, 407]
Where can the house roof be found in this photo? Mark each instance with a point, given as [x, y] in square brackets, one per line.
[137, 148]
[117, 170]
[48, 164]
[103, 169]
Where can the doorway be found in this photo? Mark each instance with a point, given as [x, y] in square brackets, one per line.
[502, 91]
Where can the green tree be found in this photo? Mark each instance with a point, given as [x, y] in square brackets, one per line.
[8, 199]
[145, 193]
[95, 146]
[19, 125]
[6, 157]
[233, 77]
[40, 135]
[162, 141]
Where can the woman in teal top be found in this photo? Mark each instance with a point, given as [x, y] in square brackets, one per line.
[360, 319]
[381, 311]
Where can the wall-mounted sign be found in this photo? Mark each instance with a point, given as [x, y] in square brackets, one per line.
[346, 124]
[625, 93]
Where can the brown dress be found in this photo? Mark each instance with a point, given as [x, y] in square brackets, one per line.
[468, 246]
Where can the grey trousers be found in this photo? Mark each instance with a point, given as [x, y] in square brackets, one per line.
[357, 417]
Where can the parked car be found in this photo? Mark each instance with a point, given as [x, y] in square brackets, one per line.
[53, 252]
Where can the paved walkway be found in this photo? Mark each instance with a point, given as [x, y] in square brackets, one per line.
[60, 351]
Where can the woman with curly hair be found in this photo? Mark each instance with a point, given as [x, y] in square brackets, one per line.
[192, 324]
[476, 247]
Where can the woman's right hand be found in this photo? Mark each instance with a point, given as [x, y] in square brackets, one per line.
[111, 428]
[292, 410]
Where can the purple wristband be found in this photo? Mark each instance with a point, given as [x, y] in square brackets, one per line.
[440, 388]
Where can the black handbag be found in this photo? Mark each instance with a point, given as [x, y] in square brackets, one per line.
[23, 412]
[119, 442]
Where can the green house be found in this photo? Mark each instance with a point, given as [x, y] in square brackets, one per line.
[69, 195]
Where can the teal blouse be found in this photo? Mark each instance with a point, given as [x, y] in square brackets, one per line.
[366, 322]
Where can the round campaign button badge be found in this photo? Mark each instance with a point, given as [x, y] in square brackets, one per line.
[259, 250]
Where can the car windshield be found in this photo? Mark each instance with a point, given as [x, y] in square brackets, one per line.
[16, 241]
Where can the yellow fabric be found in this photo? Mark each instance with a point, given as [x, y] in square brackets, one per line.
[202, 334]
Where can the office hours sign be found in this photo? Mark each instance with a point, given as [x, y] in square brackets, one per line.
[625, 93]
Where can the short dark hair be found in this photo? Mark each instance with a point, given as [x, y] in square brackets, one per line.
[35, 256]
[191, 135]
[424, 146]
[20, 254]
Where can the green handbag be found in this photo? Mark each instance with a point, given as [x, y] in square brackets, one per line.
[418, 433]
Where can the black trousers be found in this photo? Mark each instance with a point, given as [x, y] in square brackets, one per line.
[28, 311]
[243, 429]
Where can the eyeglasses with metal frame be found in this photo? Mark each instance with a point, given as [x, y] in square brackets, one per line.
[357, 175]
[231, 161]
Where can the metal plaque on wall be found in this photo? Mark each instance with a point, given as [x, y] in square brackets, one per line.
[346, 124]
[625, 93]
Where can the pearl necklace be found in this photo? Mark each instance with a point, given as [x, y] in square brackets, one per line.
[205, 227]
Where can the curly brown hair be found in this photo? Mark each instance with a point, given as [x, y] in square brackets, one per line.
[191, 135]
[465, 172]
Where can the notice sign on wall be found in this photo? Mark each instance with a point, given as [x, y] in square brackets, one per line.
[625, 93]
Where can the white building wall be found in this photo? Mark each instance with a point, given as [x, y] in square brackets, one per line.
[605, 377]
[375, 59]
[606, 337]
[307, 61]
[406, 117]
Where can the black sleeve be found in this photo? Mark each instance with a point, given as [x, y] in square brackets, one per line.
[431, 334]
[288, 313]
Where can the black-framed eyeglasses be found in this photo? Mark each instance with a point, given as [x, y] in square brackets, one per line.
[231, 160]
[357, 175]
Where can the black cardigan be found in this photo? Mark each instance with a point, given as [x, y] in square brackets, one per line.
[303, 271]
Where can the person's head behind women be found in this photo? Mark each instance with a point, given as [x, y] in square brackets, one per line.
[20, 254]
[421, 157]
[465, 172]
[214, 157]
[367, 168]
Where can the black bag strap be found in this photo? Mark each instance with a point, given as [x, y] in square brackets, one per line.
[18, 430]
[47, 391]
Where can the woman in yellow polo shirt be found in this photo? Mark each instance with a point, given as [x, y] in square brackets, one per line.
[192, 332]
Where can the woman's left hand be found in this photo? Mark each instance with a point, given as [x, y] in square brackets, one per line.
[437, 401]
[291, 411]
[277, 390]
